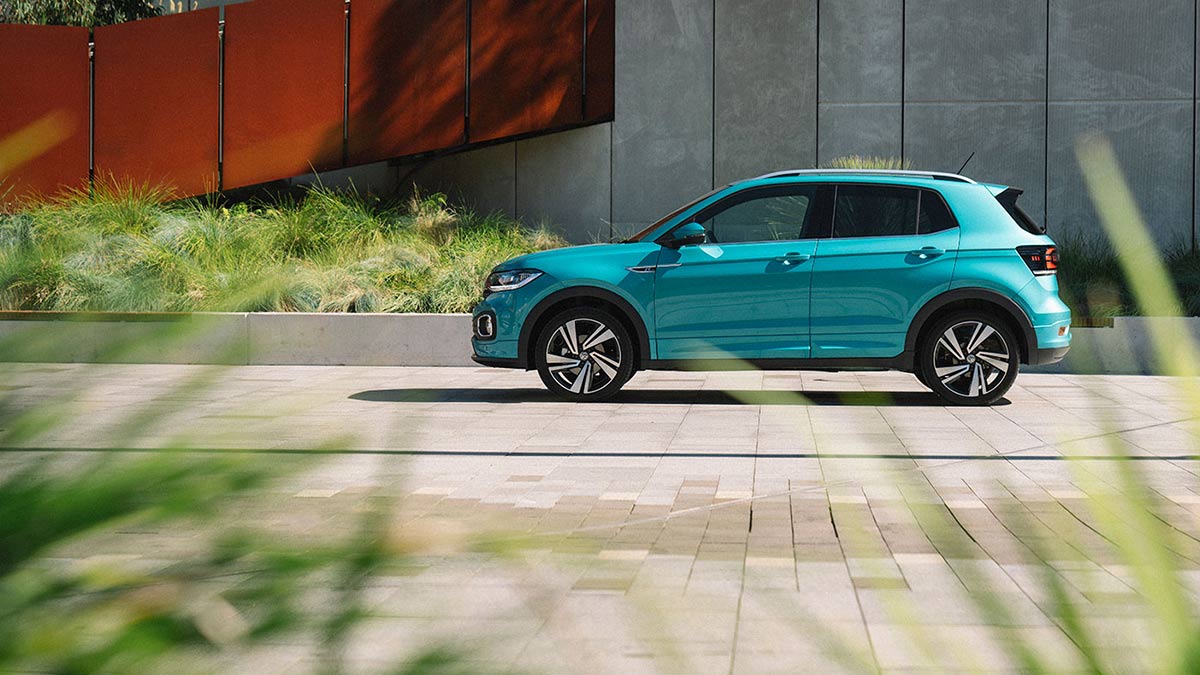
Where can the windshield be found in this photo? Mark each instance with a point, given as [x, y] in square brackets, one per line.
[667, 218]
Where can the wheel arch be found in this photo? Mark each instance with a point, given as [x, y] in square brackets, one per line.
[974, 298]
[583, 296]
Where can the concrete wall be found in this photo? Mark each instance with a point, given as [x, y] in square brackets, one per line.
[709, 91]
[1125, 348]
[259, 339]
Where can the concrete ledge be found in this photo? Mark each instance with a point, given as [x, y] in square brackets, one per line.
[263, 339]
[256, 339]
[1125, 347]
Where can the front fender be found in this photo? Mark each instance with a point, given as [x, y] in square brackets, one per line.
[637, 313]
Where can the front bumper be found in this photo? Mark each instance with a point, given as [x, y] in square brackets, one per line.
[496, 363]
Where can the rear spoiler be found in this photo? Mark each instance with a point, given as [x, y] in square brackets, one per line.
[1008, 199]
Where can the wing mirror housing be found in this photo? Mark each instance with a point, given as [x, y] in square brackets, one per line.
[688, 234]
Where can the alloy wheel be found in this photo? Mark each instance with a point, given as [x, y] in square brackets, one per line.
[971, 359]
[583, 356]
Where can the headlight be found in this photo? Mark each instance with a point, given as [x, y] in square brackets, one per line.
[509, 280]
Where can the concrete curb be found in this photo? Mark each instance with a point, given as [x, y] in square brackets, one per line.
[1126, 347]
[256, 339]
[268, 339]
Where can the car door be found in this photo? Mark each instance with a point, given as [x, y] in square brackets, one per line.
[744, 293]
[892, 249]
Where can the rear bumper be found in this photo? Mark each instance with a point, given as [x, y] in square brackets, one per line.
[1045, 357]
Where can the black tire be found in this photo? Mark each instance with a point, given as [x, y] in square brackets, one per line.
[919, 372]
[583, 371]
[978, 368]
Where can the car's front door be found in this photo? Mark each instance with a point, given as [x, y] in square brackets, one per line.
[744, 293]
[892, 249]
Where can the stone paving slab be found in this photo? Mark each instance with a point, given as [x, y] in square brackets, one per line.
[700, 522]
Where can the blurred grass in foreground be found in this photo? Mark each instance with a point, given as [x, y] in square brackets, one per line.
[124, 248]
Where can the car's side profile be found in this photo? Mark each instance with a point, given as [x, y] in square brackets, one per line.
[927, 273]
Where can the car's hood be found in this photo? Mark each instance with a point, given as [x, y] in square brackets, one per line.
[557, 260]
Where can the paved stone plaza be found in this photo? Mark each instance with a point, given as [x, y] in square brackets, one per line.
[701, 522]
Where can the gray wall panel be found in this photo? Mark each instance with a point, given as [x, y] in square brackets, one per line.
[563, 180]
[975, 50]
[1008, 140]
[860, 51]
[484, 180]
[1106, 49]
[663, 131]
[765, 116]
[867, 129]
[1153, 143]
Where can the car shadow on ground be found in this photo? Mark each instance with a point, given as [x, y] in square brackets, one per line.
[662, 397]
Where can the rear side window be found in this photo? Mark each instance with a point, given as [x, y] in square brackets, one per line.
[935, 216]
[874, 211]
[887, 211]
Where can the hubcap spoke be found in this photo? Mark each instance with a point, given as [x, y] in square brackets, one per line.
[982, 333]
[951, 343]
[951, 373]
[977, 385]
[582, 380]
[997, 361]
[605, 364]
[572, 335]
[601, 336]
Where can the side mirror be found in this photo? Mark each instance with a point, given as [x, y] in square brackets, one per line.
[689, 234]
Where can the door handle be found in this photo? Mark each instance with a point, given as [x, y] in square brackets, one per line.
[792, 258]
[927, 252]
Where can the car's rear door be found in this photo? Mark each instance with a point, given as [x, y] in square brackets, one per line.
[744, 293]
[892, 249]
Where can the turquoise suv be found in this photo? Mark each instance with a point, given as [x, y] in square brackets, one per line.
[932, 274]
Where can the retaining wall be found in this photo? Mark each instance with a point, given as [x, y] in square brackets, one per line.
[1123, 347]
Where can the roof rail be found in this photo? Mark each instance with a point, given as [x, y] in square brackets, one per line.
[936, 175]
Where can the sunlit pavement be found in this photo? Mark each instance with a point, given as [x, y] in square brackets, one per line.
[701, 522]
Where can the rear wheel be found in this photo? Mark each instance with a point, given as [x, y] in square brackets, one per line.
[584, 354]
[969, 358]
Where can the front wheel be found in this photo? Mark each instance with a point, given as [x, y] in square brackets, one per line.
[969, 358]
[584, 354]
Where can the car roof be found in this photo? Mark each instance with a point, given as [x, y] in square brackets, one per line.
[907, 173]
[908, 177]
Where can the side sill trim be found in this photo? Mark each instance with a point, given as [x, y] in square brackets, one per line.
[902, 362]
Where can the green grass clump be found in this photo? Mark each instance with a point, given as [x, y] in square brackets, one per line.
[872, 163]
[126, 249]
[1091, 280]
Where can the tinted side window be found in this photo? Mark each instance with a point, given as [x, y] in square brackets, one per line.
[935, 215]
[874, 211]
[770, 215]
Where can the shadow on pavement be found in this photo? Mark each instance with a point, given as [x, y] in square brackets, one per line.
[660, 397]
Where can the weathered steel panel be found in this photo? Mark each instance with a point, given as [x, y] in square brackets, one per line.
[407, 77]
[526, 66]
[43, 110]
[157, 88]
[284, 63]
[601, 59]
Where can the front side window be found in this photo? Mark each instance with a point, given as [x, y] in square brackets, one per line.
[874, 211]
[776, 214]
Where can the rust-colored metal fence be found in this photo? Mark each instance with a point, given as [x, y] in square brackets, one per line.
[44, 112]
[270, 89]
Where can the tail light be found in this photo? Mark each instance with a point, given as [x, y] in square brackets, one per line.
[1041, 259]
